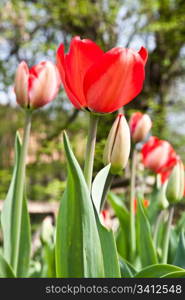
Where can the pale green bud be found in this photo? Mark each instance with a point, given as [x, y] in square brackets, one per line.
[175, 187]
[117, 148]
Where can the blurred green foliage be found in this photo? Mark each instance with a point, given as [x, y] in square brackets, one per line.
[32, 30]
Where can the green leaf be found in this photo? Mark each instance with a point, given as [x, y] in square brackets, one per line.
[122, 213]
[78, 248]
[5, 269]
[119, 208]
[109, 250]
[98, 186]
[157, 271]
[147, 251]
[127, 270]
[180, 253]
[49, 261]
[178, 274]
[8, 216]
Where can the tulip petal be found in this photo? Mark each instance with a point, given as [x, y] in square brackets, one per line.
[134, 121]
[82, 54]
[114, 80]
[121, 149]
[110, 141]
[142, 128]
[61, 67]
[144, 54]
[21, 84]
[44, 83]
[159, 156]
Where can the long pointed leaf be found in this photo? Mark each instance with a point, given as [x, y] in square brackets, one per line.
[157, 271]
[5, 269]
[9, 214]
[78, 248]
[147, 251]
[109, 250]
[127, 270]
[98, 186]
[122, 213]
[180, 254]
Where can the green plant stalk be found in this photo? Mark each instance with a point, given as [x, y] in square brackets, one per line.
[132, 212]
[20, 185]
[167, 236]
[90, 148]
[157, 226]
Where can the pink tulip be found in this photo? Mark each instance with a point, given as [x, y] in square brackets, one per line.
[37, 86]
[140, 125]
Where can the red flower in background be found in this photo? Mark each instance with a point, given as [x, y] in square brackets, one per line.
[101, 82]
[159, 156]
[146, 203]
[140, 125]
[38, 85]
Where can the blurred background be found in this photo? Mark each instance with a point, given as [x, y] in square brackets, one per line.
[32, 31]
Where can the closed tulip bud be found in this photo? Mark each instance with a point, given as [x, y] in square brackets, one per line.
[37, 86]
[117, 148]
[175, 188]
[47, 230]
[140, 125]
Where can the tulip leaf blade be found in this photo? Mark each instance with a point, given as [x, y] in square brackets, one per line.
[146, 248]
[122, 239]
[5, 269]
[127, 270]
[109, 250]
[180, 252]
[98, 186]
[78, 249]
[8, 215]
[157, 271]
[178, 274]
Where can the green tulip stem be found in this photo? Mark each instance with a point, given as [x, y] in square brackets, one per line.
[157, 226]
[167, 236]
[20, 185]
[132, 212]
[90, 148]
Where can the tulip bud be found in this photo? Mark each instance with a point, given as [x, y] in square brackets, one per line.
[140, 125]
[37, 86]
[175, 187]
[117, 148]
[47, 230]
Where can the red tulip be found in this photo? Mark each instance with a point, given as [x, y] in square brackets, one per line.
[140, 125]
[159, 156]
[98, 81]
[146, 203]
[106, 219]
[37, 86]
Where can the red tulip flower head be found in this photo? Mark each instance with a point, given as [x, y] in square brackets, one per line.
[159, 156]
[140, 125]
[37, 86]
[97, 81]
